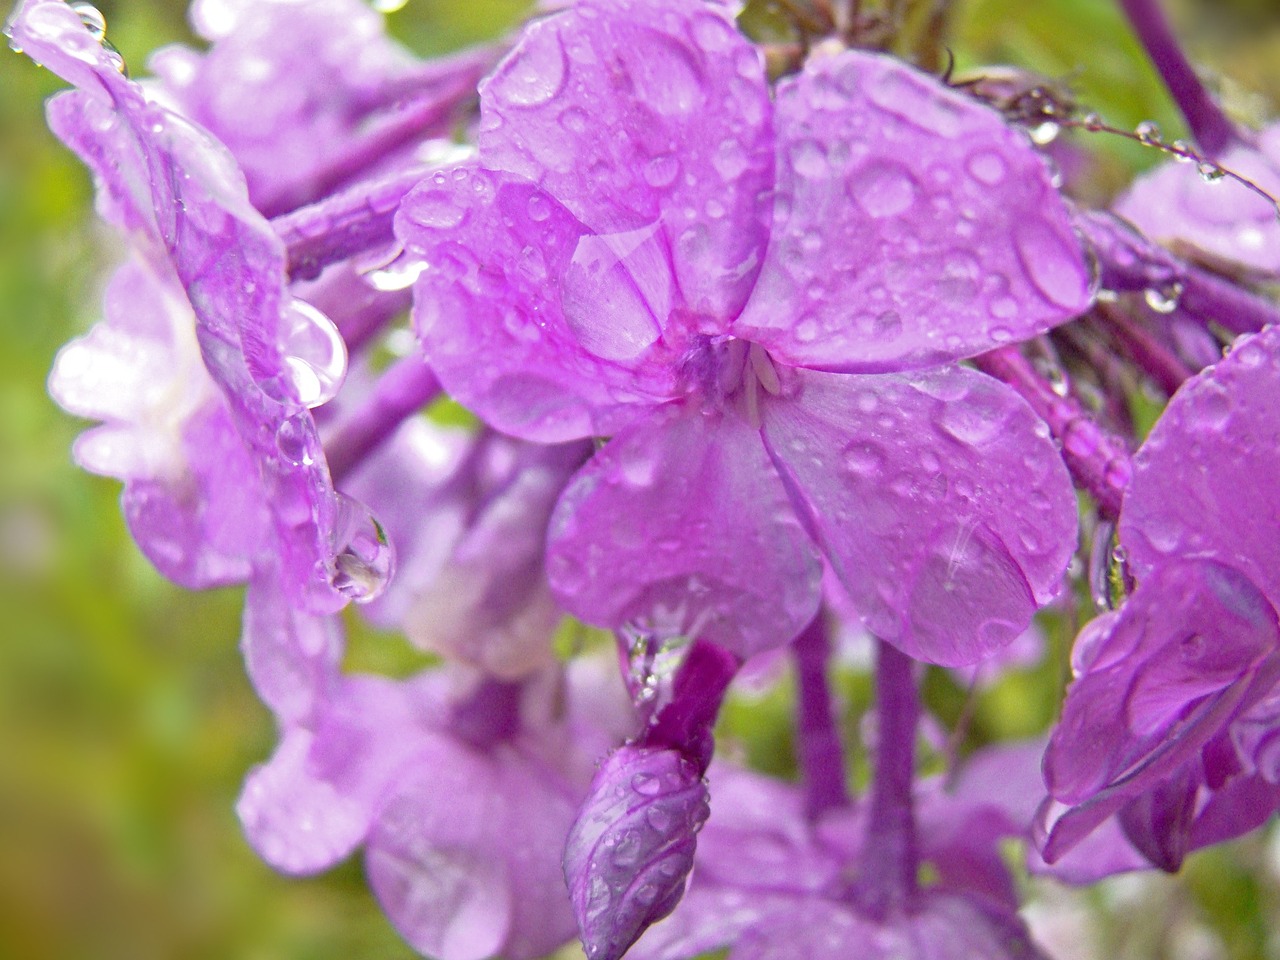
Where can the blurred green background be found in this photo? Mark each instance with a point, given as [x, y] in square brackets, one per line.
[126, 723]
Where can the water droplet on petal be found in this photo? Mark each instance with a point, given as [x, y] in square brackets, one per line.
[539, 208]
[364, 559]
[987, 167]
[533, 74]
[434, 209]
[399, 274]
[92, 19]
[1055, 268]
[883, 188]
[864, 458]
[295, 438]
[662, 171]
[313, 358]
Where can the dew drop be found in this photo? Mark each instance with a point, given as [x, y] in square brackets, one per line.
[539, 208]
[1163, 299]
[364, 559]
[1045, 133]
[659, 818]
[92, 19]
[809, 159]
[883, 188]
[661, 171]
[1148, 132]
[865, 459]
[1210, 172]
[313, 358]
[574, 119]
[533, 75]
[435, 210]
[399, 274]
[987, 167]
[1054, 267]
[294, 440]
[646, 784]
[1092, 122]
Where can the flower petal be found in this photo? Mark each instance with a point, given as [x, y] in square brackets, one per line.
[465, 857]
[912, 225]
[681, 525]
[938, 498]
[527, 318]
[1221, 432]
[635, 113]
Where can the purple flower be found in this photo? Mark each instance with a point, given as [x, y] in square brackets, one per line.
[770, 882]
[181, 200]
[461, 789]
[190, 496]
[1191, 661]
[649, 248]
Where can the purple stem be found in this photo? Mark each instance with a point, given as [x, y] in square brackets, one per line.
[821, 752]
[1098, 461]
[344, 224]
[418, 120]
[490, 715]
[1213, 299]
[888, 862]
[1209, 125]
[685, 723]
[1151, 356]
[363, 325]
[401, 391]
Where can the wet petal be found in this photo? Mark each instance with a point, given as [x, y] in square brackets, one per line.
[634, 114]
[943, 506]
[1221, 432]
[912, 225]
[465, 857]
[537, 325]
[681, 525]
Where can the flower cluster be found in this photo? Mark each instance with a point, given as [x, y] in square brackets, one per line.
[764, 354]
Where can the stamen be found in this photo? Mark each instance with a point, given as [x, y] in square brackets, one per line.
[764, 369]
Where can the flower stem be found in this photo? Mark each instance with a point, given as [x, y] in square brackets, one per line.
[685, 723]
[1145, 350]
[1210, 127]
[405, 388]
[821, 753]
[344, 224]
[1098, 461]
[889, 861]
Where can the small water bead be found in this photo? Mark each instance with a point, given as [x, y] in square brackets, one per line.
[313, 356]
[1163, 299]
[1045, 133]
[1210, 172]
[294, 440]
[364, 560]
[1148, 132]
[398, 274]
[1092, 122]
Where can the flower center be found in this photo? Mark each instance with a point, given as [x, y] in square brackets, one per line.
[741, 372]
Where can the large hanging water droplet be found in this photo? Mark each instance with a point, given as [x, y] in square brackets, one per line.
[364, 559]
[313, 358]
[92, 19]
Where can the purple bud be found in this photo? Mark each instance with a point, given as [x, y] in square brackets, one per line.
[631, 848]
